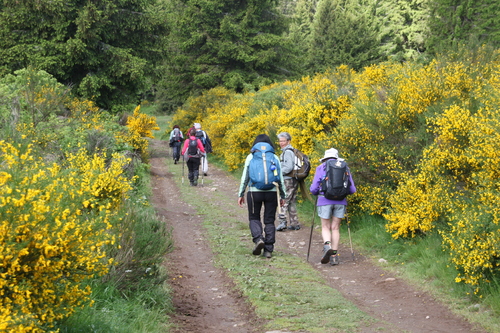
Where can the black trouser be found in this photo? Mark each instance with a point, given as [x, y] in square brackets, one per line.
[193, 165]
[176, 150]
[255, 201]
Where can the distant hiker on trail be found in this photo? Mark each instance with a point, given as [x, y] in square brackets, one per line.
[262, 172]
[203, 136]
[175, 142]
[332, 183]
[192, 151]
[287, 159]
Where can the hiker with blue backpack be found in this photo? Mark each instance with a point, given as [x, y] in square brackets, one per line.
[193, 151]
[175, 142]
[332, 183]
[262, 175]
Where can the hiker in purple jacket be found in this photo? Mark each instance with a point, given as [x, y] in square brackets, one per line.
[331, 212]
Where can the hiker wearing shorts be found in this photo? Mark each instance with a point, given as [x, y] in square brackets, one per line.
[287, 159]
[257, 198]
[331, 212]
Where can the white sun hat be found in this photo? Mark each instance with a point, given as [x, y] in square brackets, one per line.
[330, 153]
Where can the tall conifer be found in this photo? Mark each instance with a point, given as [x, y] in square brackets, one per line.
[454, 22]
[344, 32]
[234, 43]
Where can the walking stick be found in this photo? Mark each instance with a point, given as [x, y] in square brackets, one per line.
[280, 209]
[349, 231]
[182, 169]
[312, 227]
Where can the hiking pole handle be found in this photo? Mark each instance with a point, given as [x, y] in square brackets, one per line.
[312, 227]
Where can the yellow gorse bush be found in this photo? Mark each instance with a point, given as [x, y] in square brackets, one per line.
[142, 124]
[54, 225]
[422, 142]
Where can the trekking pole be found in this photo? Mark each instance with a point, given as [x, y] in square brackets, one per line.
[312, 227]
[182, 169]
[280, 209]
[349, 231]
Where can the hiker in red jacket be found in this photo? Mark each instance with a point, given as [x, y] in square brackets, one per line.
[192, 151]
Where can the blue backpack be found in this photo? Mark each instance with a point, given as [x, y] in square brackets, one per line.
[264, 168]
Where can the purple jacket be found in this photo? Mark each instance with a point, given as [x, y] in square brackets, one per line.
[316, 187]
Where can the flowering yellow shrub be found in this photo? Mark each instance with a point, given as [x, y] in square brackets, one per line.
[461, 171]
[86, 112]
[103, 185]
[51, 238]
[142, 124]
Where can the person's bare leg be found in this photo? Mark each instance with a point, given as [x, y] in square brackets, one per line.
[335, 232]
[326, 230]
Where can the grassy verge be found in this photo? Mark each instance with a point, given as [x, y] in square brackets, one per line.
[277, 295]
[134, 296]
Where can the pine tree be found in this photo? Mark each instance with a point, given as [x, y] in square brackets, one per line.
[300, 30]
[404, 27]
[234, 43]
[454, 22]
[344, 32]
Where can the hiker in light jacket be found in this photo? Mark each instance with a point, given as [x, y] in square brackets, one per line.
[207, 144]
[331, 212]
[287, 159]
[176, 143]
[256, 199]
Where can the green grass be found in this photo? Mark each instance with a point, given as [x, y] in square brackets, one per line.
[112, 312]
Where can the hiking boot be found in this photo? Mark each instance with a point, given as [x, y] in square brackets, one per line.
[281, 226]
[195, 183]
[327, 252]
[267, 254]
[259, 245]
[334, 260]
[294, 227]
[205, 174]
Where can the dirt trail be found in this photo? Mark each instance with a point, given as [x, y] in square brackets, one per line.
[206, 300]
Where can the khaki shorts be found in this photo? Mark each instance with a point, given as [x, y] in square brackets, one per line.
[327, 211]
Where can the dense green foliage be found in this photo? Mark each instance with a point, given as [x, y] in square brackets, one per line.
[117, 52]
[107, 49]
[454, 21]
[236, 44]
[343, 32]
[403, 28]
